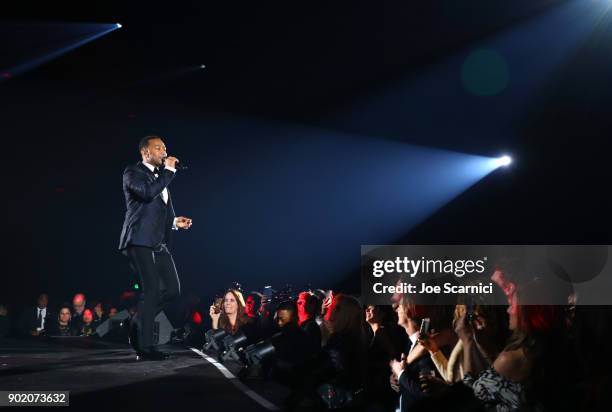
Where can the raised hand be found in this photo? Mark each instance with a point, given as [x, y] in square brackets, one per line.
[183, 222]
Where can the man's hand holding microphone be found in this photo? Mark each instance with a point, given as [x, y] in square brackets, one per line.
[171, 162]
[181, 222]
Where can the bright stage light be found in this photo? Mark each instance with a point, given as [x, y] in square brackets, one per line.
[505, 160]
[118, 25]
[502, 161]
[202, 66]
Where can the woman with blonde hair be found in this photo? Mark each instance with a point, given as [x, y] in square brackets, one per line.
[451, 367]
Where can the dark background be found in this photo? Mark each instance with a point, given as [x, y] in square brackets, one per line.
[70, 126]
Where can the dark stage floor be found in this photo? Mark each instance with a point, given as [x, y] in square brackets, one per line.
[105, 376]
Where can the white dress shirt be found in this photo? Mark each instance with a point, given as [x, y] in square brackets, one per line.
[41, 312]
[413, 339]
[164, 193]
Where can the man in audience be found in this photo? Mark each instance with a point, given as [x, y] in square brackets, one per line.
[112, 312]
[34, 320]
[405, 375]
[292, 347]
[251, 305]
[78, 307]
[308, 306]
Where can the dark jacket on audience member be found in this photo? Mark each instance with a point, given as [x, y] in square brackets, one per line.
[410, 385]
[380, 352]
[344, 355]
[77, 321]
[313, 332]
[29, 320]
[57, 330]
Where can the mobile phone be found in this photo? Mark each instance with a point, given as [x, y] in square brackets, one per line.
[268, 291]
[218, 303]
[424, 327]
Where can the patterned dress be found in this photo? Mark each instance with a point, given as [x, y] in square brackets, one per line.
[497, 392]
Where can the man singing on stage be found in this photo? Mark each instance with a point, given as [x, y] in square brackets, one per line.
[149, 221]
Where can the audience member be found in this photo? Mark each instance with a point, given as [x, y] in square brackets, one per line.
[381, 351]
[308, 305]
[342, 372]
[112, 312]
[78, 306]
[34, 320]
[293, 350]
[252, 305]
[531, 370]
[230, 316]
[62, 326]
[87, 325]
[451, 368]
[99, 313]
[408, 373]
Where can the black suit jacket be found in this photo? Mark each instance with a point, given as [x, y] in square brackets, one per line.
[29, 320]
[148, 220]
[409, 382]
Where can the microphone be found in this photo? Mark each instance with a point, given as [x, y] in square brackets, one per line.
[178, 165]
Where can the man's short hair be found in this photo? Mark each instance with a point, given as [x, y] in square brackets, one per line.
[144, 142]
[289, 306]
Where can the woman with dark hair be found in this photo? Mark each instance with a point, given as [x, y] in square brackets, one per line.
[63, 327]
[345, 353]
[99, 314]
[526, 370]
[381, 351]
[230, 316]
[87, 326]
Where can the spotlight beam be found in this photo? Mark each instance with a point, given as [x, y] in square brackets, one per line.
[22, 68]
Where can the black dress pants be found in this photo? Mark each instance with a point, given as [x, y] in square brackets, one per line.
[159, 285]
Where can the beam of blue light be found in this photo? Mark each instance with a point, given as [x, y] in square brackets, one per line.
[295, 203]
[40, 60]
[435, 104]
